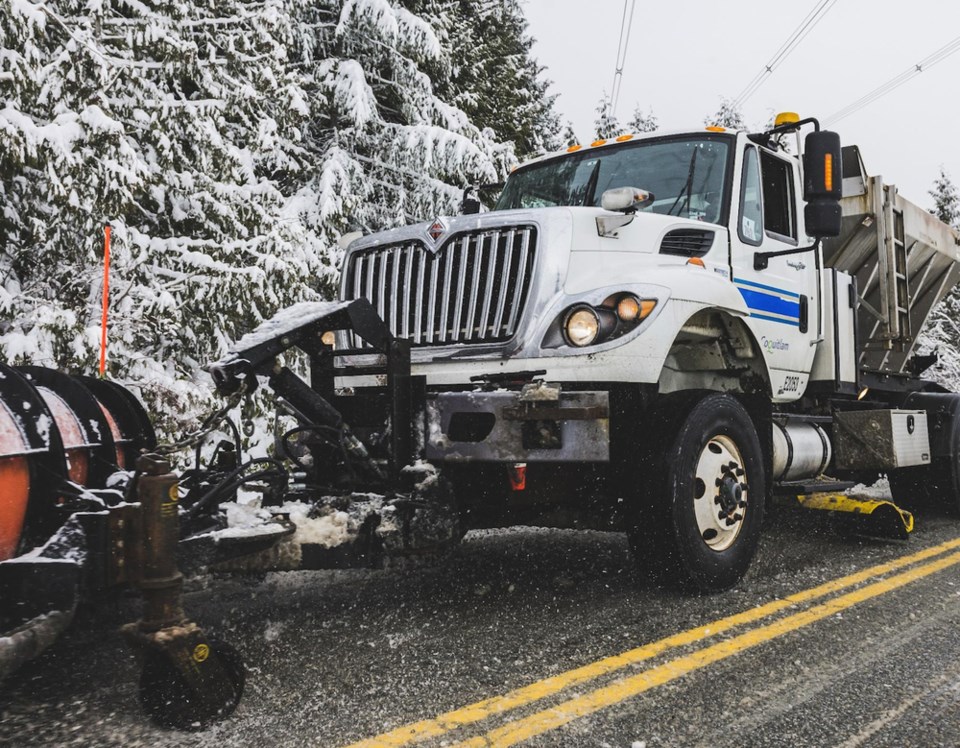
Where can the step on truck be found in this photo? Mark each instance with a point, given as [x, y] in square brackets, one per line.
[654, 334]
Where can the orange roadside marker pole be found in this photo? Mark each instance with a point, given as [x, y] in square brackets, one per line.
[106, 299]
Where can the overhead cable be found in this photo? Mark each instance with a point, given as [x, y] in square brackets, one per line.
[793, 41]
[622, 44]
[912, 72]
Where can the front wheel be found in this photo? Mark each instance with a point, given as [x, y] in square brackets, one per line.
[700, 497]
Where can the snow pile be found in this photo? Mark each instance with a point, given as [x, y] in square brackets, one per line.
[322, 525]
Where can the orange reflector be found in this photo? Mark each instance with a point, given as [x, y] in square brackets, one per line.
[598, 142]
[518, 476]
[828, 172]
[624, 137]
[696, 261]
[716, 128]
[573, 148]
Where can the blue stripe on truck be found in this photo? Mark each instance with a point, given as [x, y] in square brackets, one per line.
[764, 302]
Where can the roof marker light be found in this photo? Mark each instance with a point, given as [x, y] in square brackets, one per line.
[598, 142]
[786, 118]
[716, 128]
[623, 138]
[573, 148]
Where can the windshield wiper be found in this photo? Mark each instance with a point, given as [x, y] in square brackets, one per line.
[591, 185]
[688, 187]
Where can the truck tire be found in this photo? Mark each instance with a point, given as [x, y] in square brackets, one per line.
[700, 498]
[916, 488]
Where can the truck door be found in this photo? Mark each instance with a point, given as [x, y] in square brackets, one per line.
[783, 297]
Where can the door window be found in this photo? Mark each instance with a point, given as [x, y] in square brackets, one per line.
[751, 208]
[779, 214]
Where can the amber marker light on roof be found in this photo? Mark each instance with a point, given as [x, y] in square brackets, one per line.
[716, 128]
[786, 118]
[573, 148]
[598, 142]
[622, 138]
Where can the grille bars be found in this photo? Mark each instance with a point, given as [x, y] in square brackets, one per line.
[472, 290]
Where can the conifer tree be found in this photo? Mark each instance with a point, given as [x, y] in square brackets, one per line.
[492, 75]
[943, 329]
[229, 145]
[945, 199]
[728, 115]
[642, 121]
[606, 124]
[154, 118]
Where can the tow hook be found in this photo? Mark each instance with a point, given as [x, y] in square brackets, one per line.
[188, 680]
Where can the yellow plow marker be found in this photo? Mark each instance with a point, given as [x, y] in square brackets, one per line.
[870, 517]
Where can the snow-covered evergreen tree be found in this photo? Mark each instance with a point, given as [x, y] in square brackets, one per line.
[606, 124]
[943, 329]
[728, 115]
[642, 121]
[492, 75]
[229, 145]
[946, 202]
[177, 124]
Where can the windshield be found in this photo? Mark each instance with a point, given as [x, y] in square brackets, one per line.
[687, 176]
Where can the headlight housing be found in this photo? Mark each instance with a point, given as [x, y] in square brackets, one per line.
[583, 325]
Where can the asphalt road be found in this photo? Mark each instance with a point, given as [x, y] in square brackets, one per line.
[336, 658]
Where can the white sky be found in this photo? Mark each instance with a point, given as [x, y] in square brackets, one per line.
[685, 55]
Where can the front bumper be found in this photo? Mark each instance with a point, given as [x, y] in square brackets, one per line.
[541, 423]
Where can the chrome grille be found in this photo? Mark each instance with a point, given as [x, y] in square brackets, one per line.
[472, 290]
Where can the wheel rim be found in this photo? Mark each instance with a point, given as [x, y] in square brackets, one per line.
[720, 493]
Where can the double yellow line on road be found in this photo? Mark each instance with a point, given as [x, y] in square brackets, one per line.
[551, 718]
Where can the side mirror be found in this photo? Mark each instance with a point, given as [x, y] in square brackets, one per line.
[470, 203]
[822, 184]
[625, 199]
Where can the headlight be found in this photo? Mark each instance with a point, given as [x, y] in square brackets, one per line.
[582, 326]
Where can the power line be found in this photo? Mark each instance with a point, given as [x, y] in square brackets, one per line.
[622, 45]
[793, 41]
[912, 72]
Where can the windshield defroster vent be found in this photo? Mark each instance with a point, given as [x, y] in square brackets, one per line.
[687, 242]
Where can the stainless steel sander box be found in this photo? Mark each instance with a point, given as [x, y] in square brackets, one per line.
[867, 439]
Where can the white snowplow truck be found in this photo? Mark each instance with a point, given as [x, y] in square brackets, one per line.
[654, 334]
